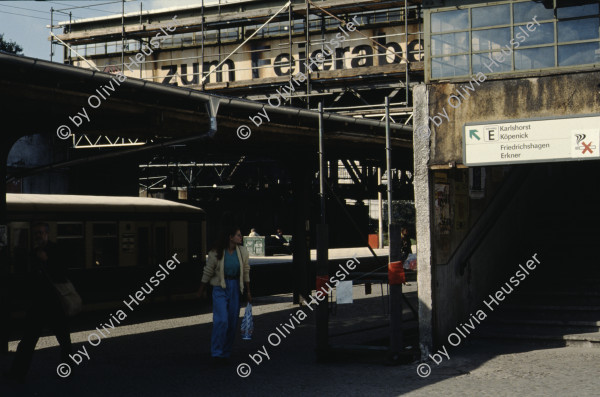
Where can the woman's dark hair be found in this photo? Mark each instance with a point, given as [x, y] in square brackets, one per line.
[222, 241]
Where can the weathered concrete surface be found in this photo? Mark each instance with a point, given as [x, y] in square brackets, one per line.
[424, 217]
[507, 99]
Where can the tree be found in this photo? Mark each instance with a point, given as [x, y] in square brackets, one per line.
[10, 46]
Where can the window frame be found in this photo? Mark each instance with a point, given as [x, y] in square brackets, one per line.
[429, 35]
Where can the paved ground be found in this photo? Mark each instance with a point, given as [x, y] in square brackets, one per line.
[148, 356]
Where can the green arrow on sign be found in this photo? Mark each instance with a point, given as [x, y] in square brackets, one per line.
[472, 133]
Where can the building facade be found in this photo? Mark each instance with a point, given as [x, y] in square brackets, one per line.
[506, 133]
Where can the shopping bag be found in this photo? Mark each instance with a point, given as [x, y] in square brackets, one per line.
[396, 275]
[411, 262]
[247, 323]
[69, 298]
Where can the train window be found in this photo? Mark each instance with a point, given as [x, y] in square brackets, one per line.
[69, 238]
[105, 244]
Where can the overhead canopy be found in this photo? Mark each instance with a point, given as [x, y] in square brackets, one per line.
[39, 96]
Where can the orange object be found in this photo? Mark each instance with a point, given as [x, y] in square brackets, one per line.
[396, 274]
[373, 241]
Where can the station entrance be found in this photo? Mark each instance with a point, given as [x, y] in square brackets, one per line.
[527, 213]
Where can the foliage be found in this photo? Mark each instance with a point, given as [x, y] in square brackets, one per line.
[10, 46]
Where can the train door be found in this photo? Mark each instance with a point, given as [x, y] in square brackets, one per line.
[196, 242]
[160, 242]
[144, 243]
[127, 243]
[178, 231]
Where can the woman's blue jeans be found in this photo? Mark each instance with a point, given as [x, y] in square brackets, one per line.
[226, 313]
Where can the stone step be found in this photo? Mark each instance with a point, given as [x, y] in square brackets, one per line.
[566, 298]
[570, 336]
[529, 307]
[592, 324]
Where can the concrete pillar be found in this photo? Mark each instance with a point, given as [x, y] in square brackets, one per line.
[424, 220]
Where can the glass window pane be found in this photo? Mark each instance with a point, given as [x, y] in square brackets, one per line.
[579, 11]
[490, 16]
[534, 58]
[524, 12]
[104, 229]
[449, 43]
[449, 20]
[100, 48]
[493, 65]
[449, 66]
[490, 39]
[579, 29]
[543, 34]
[578, 54]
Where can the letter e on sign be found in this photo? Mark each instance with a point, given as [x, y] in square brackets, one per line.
[490, 133]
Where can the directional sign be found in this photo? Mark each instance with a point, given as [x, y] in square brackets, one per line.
[531, 141]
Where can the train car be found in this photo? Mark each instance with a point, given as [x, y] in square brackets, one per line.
[111, 245]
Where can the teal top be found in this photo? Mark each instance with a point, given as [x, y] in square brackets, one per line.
[232, 264]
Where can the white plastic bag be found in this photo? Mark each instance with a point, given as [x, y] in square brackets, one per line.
[410, 263]
[247, 323]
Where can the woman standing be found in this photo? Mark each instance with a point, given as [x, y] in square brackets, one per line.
[228, 271]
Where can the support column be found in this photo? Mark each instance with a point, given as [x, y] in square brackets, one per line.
[301, 187]
[394, 254]
[423, 205]
[380, 209]
[4, 250]
[396, 331]
[322, 253]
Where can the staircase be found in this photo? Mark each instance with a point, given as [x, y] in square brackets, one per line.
[561, 303]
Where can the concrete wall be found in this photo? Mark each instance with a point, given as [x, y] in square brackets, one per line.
[523, 98]
[450, 295]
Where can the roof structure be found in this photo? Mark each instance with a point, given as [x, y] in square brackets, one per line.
[74, 203]
[43, 96]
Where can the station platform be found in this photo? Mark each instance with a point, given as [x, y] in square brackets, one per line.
[334, 253]
[164, 351]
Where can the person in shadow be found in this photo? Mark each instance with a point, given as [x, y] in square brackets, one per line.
[228, 271]
[48, 267]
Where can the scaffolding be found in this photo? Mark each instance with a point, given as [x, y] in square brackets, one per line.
[202, 53]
